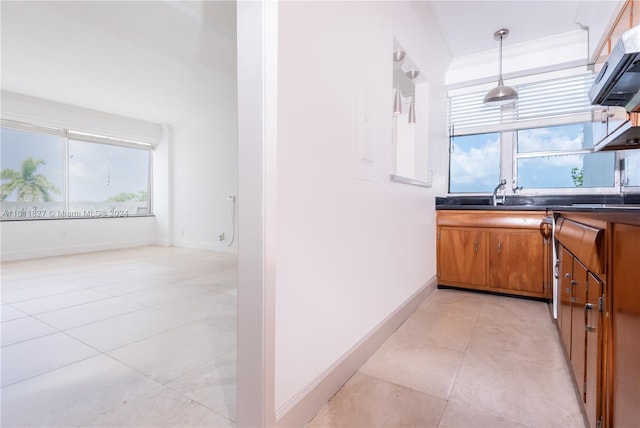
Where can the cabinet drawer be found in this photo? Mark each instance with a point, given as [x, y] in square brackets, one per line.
[583, 241]
[491, 219]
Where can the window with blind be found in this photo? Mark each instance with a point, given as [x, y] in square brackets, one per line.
[53, 173]
[541, 144]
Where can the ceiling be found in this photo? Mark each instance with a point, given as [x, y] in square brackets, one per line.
[159, 61]
[468, 26]
[153, 60]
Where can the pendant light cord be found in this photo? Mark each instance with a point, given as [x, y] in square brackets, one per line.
[501, 81]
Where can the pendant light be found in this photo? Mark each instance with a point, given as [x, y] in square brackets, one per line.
[412, 107]
[501, 94]
[398, 56]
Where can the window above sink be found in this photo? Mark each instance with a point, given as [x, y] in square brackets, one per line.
[543, 144]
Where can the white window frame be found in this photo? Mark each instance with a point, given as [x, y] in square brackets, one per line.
[508, 126]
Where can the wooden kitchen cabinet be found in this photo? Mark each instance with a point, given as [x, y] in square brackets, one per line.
[497, 251]
[581, 308]
[516, 260]
[625, 308]
[463, 256]
[628, 17]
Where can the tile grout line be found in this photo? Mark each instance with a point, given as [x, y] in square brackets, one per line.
[204, 287]
[464, 354]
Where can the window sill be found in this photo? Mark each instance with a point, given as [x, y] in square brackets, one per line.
[6, 219]
[411, 181]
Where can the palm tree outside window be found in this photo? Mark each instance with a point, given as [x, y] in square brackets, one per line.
[32, 172]
[27, 183]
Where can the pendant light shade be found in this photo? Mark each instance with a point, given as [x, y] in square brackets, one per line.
[412, 107]
[501, 94]
[412, 113]
[398, 57]
[397, 103]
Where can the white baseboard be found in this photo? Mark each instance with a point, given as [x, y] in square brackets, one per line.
[163, 243]
[76, 249]
[299, 410]
[201, 245]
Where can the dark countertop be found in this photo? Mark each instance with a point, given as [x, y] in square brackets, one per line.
[566, 203]
[492, 208]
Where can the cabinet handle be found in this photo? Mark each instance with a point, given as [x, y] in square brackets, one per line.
[475, 246]
[573, 283]
[567, 275]
[587, 327]
[499, 247]
[545, 231]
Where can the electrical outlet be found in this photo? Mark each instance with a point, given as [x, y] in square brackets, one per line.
[221, 237]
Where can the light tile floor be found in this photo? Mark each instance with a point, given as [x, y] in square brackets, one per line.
[135, 337]
[463, 359]
[146, 337]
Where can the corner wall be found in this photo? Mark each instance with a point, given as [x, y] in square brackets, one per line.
[205, 171]
[204, 162]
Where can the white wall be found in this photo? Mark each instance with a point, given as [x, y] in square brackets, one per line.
[351, 245]
[563, 50]
[205, 166]
[43, 238]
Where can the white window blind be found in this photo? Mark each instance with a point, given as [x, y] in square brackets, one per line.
[567, 95]
[540, 102]
[468, 110]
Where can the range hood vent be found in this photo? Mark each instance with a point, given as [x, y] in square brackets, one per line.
[618, 85]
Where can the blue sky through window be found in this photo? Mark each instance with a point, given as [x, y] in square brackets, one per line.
[475, 163]
[16, 146]
[475, 160]
[100, 171]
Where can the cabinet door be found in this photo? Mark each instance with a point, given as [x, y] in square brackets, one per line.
[626, 325]
[593, 317]
[516, 261]
[565, 270]
[461, 257]
[578, 333]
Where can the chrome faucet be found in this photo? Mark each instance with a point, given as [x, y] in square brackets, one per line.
[495, 193]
